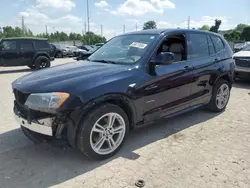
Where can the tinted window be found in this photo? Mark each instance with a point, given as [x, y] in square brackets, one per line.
[26, 46]
[210, 45]
[197, 46]
[41, 44]
[9, 45]
[219, 45]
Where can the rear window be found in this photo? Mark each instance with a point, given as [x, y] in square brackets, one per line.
[197, 46]
[219, 45]
[41, 44]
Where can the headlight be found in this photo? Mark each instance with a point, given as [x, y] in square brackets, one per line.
[46, 101]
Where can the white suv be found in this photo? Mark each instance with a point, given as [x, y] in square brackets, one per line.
[242, 62]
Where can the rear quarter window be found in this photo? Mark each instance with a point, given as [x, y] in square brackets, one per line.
[42, 44]
[211, 45]
[218, 43]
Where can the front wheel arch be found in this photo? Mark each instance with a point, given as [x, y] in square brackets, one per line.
[78, 115]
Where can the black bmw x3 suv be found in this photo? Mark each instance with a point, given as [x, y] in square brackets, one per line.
[133, 79]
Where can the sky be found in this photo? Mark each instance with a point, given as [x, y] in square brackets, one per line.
[113, 15]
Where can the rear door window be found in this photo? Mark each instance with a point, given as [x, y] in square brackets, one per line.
[42, 44]
[26, 46]
[219, 45]
[197, 46]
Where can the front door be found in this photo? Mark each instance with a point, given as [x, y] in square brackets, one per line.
[168, 90]
[9, 53]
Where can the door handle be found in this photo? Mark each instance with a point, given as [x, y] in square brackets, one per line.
[152, 87]
[186, 68]
[217, 60]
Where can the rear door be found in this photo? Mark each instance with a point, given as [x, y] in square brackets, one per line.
[9, 54]
[202, 56]
[26, 52]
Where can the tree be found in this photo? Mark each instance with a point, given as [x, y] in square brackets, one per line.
[215, 28]
[92, 38]
[240, 27]
[233, 36]
[205, 28]
[1, 33]
[245, 35]
[149, 25]
[29, 33]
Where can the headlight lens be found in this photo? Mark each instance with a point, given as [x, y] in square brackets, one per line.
[43, 101]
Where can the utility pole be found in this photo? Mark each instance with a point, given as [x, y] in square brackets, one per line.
[188, 22]
[101, 30]
[46, 29]
[136, 26]
[85, 27]
[124, 28]
[23, 25]
[88, 13]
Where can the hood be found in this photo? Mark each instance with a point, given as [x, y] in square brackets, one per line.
[242, 54]
[72, 77]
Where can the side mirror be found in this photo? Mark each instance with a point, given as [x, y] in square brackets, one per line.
[1, 47]
[163, 58]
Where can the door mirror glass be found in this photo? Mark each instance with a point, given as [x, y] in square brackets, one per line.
[163, 58]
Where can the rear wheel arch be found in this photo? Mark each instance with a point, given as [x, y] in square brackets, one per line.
[39, 55]
[225, 77]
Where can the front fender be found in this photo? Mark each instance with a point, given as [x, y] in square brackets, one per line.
[77, 115]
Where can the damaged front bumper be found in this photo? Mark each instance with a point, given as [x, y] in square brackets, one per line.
[42, 126]
[39, 122]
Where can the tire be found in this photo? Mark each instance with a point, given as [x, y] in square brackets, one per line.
[42, 62]
[214, 104]
[87, 138]
[35, 137]
[59, 55]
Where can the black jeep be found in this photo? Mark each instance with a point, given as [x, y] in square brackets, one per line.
[35, 53]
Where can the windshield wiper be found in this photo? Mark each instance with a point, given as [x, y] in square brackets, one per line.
[104, 61]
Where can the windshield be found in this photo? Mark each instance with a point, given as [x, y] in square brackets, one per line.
[247, 48]
[124, 49]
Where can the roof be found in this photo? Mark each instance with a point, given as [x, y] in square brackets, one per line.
[165, 31]
[24, 38]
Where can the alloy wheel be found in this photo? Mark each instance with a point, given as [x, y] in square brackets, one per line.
[107, 133]
[222, 96]
[43, 64]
